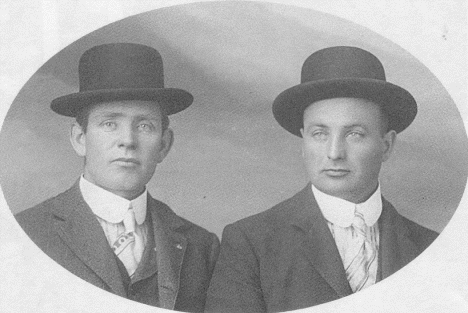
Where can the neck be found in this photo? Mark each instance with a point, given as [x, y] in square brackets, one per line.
[129, 195]
[126, 194]
[354, 197]
[364, 196]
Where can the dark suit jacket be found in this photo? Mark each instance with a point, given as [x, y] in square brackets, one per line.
[286, 258]
[65, 228]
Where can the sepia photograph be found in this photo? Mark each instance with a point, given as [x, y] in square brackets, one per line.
[233, 156]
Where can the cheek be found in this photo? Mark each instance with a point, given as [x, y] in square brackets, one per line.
[150, 150]
[369, 161]
[312, 156]
[313, 150]
[97, 147]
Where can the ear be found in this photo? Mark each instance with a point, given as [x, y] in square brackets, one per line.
[78, 139]
[302, 146]
[166, 143]
[389, 140]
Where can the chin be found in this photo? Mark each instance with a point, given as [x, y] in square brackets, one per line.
[136, 187]
[335, 189]
[126, 185]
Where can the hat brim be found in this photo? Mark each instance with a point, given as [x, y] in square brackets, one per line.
[172, 100]
[396, 102]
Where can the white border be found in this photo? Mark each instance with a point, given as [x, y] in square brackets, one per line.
[433, 31]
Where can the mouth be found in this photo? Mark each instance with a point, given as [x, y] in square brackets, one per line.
[128, 162]
[336, 172]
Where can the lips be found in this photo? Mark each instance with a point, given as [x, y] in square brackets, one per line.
[127, 161]
[336, 172]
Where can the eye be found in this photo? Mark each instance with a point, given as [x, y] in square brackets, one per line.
[319, 135]
[355, 134]
[146, 127]
[109, 125]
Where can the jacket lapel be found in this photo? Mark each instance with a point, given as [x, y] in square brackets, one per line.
[79, 229]
[396, 248]
[319, 244]
[170, 247]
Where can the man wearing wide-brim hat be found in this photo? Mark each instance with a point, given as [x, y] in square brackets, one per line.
[107, 229]
[338, 235]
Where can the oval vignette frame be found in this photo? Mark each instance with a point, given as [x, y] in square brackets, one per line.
[184, 126]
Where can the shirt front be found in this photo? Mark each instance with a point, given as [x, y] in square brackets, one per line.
[110, 210]
[339, 214]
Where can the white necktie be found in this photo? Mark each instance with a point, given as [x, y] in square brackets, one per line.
[360, 255]
[129, 245]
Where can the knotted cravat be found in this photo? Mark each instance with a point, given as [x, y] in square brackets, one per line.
[360, 255]
[128, 246]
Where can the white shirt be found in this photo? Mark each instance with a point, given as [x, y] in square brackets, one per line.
[110, 211]
[340, 214]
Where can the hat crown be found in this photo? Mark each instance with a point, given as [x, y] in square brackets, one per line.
[338, 72]
[120, 66]
[340, 63]
[120, 72]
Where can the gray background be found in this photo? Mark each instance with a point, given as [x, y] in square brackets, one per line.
[230, 158]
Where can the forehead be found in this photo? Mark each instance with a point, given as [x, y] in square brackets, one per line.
[343, 112]
[126, 108]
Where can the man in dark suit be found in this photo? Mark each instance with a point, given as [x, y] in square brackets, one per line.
[338, 235]
[106, 228]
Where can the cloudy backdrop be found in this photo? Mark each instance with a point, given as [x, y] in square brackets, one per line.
[230, 158]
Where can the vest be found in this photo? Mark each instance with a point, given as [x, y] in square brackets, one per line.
[143, 286]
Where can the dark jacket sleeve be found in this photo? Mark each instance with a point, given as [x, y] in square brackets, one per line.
[235, 285]
[214, 252]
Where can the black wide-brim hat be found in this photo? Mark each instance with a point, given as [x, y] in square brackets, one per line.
[339, 72]
[121, 71]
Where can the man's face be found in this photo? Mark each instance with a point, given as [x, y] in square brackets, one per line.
[344, 146]
[123, 143]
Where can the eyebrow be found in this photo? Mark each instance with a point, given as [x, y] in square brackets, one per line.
[116, 115]
[355, 125]
[320, 125]
[108, 115]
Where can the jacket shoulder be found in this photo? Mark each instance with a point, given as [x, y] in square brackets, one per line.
[42, 210]
[274, 218]
[420, 235]
[193, 232]
[37, 221]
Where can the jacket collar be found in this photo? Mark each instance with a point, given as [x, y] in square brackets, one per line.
[171, 245]
[78, 227]
[80, 230]
[396, 247]
[321, 248]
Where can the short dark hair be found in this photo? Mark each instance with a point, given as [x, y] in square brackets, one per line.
[83, 116]
[385, 120]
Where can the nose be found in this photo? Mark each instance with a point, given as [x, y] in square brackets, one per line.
[336, 148]
[127, 138]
